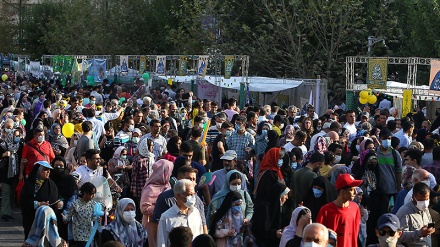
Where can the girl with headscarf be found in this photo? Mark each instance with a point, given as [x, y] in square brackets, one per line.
[38, 190]
[24, 104]
[227, 222]
[292, 234]
[307, 126]
[125, 229]
[158, 182]
[364, 147]
[57, 140]
[270, 172]
[233, 182]
[289, 133]
[44, 229]
[71, 161]
[173, 148]
[120, 164]
[11, 147]
[320, 193]
[266, 222]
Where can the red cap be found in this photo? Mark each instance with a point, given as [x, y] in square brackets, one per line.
[346, 180]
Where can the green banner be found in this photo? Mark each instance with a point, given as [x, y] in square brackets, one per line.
[229, 64]
[182, 66]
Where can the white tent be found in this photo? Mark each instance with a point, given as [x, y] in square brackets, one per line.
[256, 84]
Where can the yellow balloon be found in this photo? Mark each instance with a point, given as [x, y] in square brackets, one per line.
[372, 99]
[68, 130]
[363, 94]
[4, 77]
[363, 101]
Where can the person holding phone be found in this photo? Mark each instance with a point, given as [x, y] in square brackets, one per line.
[414, 218]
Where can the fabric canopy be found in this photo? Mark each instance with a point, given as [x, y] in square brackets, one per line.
[256, 84]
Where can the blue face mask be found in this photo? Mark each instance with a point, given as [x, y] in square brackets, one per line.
[294, 165]
[386, 143]
[17, 139]
[237, 127]
[236, 209]
[280, 162]
[264, 132]
[317, 192]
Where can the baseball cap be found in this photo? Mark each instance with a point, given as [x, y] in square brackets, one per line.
[44, 163]
[346, 180]
[229, 155]
[365, 114]
[389, 220]
[279, 118]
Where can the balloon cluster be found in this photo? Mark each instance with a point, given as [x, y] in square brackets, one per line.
[367, 96]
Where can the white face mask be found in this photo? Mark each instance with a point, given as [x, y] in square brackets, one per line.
[40, 139]
[337, 159]
[218, 125]
[311, 244]
[388, 240]
[281, 126]
[135, 139]
[190, 201]
[235, 187]
[422, 205]
[75, 142]
[129, 216]
[130, 128]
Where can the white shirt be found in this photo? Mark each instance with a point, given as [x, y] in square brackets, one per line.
[173, 218]
[352, 131]
[289, 146]
[160, 145]
[97, 126]
[86, 174]
[108, 116]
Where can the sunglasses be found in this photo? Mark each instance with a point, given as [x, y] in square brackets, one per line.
[383, 232]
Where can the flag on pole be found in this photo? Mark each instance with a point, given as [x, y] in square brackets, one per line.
[311, 97]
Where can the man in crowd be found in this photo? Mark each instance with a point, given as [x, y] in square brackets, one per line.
[241, 141]
[388, 231]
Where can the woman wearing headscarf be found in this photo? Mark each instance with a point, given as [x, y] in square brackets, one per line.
[227, 222]
[307, 126]
[11, 147]
[24, 104]
[142, 170]
[66, 185]
[71, 162]
[289, 133]
[320, 193]
[266, 222]
[270, 172]
[158, 182]
[273, 140]
[57, 140]
[44, 229]
[38, 190]
[364, 147]
[232, 183]
[125, 229]
[173, 148]
[292, 234]
[260, 145]
[119, 164]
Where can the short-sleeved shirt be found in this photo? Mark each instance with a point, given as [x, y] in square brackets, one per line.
[239, 143]
[33, 155]
[86, 174]
[388, 170]
[198, 150]
[160, 145]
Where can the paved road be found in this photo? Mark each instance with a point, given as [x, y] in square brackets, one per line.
[11, 232]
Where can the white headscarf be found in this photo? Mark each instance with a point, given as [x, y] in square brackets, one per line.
[117, 155]
[290, 230]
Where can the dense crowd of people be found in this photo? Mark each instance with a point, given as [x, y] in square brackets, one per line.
[191, 172]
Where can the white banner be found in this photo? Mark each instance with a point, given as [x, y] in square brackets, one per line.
[124, 64]
[202, 66]
[34, 69]
[206, 90]
[161, 63]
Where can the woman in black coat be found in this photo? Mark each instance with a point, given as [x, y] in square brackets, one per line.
[38, 190]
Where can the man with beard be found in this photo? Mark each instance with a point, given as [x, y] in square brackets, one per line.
[303, 178]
